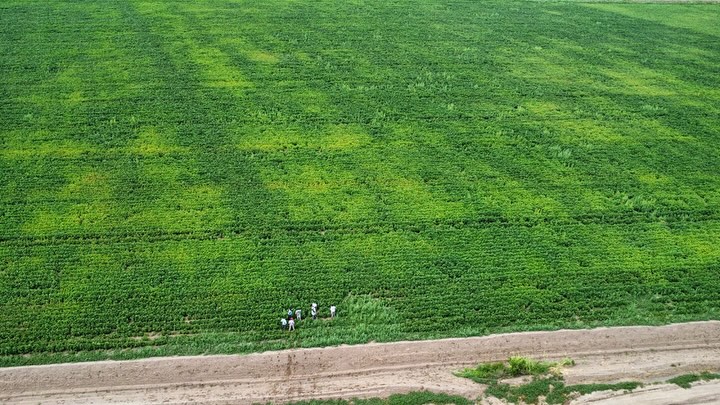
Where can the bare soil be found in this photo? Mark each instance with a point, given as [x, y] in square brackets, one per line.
[648, 354]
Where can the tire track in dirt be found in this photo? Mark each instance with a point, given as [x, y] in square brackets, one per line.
[643, 353]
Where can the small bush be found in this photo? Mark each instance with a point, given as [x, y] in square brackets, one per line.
[489, 373]
[485, 373]
[523, 366]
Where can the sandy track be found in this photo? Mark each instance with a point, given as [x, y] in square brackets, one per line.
[602, 355]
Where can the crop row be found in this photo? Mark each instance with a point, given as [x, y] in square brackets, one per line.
[119, 232]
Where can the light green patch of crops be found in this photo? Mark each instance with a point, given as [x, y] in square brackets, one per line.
[334, 138]
[174, 175]
[151, 141]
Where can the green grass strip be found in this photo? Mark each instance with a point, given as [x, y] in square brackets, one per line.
[686, 380]
[412, 398]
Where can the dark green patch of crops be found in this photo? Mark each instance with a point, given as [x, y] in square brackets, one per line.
[174, 175]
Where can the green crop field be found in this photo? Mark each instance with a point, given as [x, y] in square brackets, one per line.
[175, 174]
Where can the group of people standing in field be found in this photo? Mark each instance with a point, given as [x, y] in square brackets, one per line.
[296, 316]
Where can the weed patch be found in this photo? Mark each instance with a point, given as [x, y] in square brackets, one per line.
[547, 381]
[686, 380]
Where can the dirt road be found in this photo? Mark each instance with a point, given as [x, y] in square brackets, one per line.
[648, 354]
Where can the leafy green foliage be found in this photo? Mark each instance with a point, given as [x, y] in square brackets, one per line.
[485, 373]
[553, 389]
[686, 380]
[589, 388]
[173, 175]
